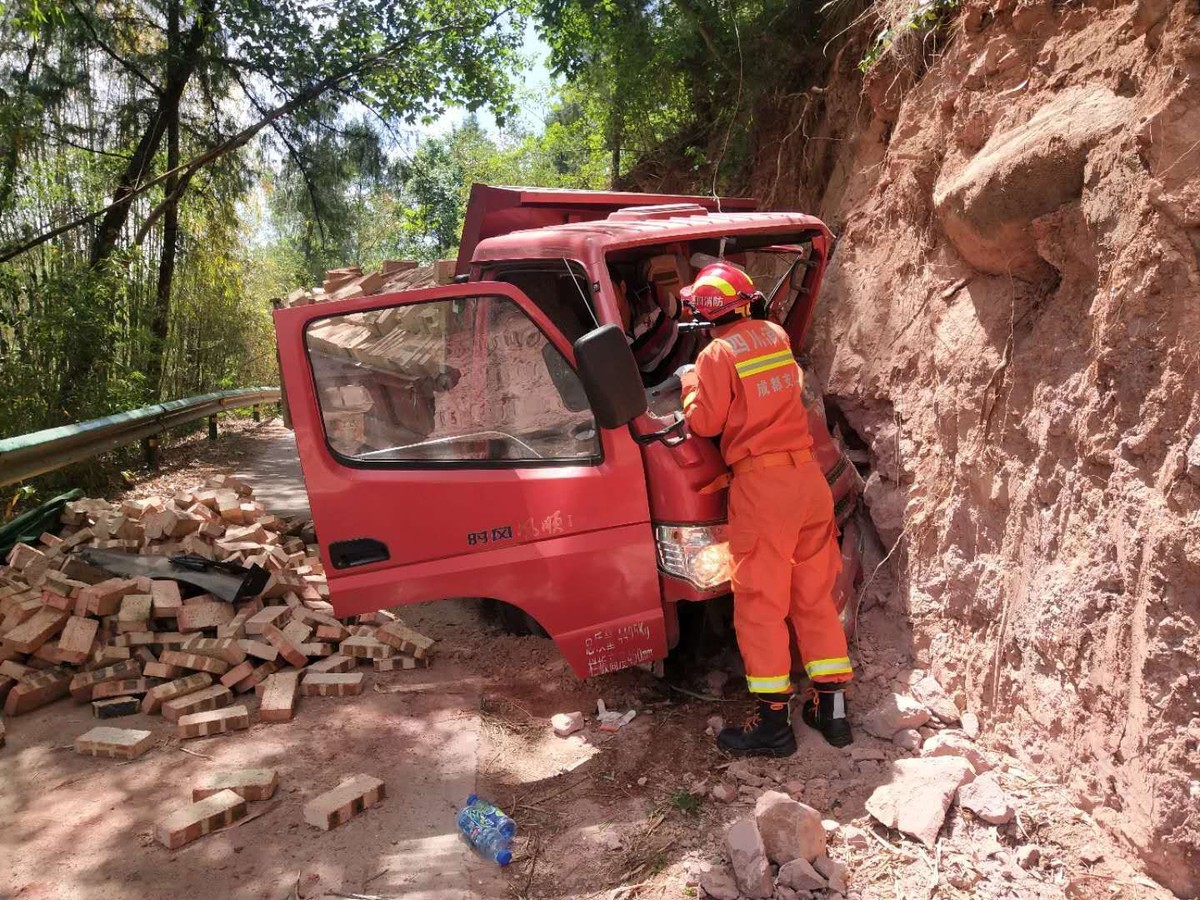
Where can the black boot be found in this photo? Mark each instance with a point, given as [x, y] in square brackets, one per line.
[767, 733]
[825, 710]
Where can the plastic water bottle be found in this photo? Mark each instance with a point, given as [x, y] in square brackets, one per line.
[487, 829]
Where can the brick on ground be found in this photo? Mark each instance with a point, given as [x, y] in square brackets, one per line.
[335, 663]
[238, 673]
[362, 646]
[332, 684]
[236, 627]
[216, 721]
[260, 674]
[317, 650]
[75, 642]
[134, 613]
[180, 687]
[194, 662]
[259, 650]
[288, 649]
[36, 690]
[405, 639]
[198, 819]
[297, 631]
[250, 784]
[162, 670]
[135, 639]
[203, 700]
[115, 707]
[109, 656]
[331, 633]
[270, 615]
[123, 687]
[116, 743]
[226, 649]
[84, 683]
[165, 601]
[198, 616]
[344, 802]
[279, 697]
[36, 630]
[398, 662]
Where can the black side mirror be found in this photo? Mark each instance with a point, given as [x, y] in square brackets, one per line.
[566, 382]
[610, 376]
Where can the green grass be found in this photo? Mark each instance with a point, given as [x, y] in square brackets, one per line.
[686, 802]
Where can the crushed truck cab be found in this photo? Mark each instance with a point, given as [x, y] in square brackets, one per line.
[517, 435]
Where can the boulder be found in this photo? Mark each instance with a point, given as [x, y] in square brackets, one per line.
[749, 858]
[790, 829]
[908, 739]
[987, 800]
[893, 713]
[955, 743]
[719, 884]
[934, 698]
[799, 875]
[918, 794]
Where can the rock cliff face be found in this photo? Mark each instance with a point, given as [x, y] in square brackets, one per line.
[1012, 324]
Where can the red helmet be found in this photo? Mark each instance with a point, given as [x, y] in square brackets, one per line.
[718, 290]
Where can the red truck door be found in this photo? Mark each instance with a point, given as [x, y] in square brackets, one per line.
[449, 451]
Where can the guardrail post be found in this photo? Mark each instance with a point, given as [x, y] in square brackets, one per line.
[151, 451]
[254, 413]
[212, 427]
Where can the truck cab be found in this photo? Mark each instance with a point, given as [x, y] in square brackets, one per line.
[518, 436]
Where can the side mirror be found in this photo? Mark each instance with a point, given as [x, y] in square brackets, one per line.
[610, 376]
[566, 382]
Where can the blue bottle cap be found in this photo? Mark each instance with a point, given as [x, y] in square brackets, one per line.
[471, 799]
[504, 857]
[508, 827]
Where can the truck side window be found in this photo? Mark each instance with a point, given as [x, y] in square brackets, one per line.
[448, 381]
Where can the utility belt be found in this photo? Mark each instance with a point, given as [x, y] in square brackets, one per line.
[795, 458]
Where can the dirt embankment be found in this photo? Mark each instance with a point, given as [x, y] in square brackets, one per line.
[1011, 324]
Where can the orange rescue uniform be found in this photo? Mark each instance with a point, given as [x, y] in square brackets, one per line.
[746, 387]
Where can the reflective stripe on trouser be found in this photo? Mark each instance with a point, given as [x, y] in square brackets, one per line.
[783, 540]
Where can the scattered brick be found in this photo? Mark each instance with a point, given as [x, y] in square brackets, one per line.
[36, 630]
[279, 697]
[165, 599]
[332, 633]
[236, 627]
[203, 700]
[194, 661]
[171, 640]
[344, 802]
[259, 650]
[123, 687]
[226, 649]
[76, 640]
[163, 670]
[135, 613]
[250, 784]
[394, 663]
[288, 649]
[217, 721]
[180, 687]
[36, 690]
[15, 670]
[135, 639]
[332, 684]
[104, 599]
[257, 677]
[335, 663]
[198, 819]
[363, 646]
[116, 743]
[317, 649]
[115, 707]
[237, 673]
[297, 631]
[108, 656]
[404, 639]
[84, 683]
[198, 616]
[271, 615]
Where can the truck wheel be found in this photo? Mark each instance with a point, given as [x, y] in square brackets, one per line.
[510, 619]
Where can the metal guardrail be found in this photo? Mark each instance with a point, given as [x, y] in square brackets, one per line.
[44, 451]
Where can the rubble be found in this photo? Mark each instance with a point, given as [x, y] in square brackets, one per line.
[833, 872]
[799, 875]
[67, 627]
[908, 739]
[930, 694]
[919, 794]
[749, 858]
[894, 713]
[987, 800]
[724, 792]
[1028, 856]
[970, 724]
[719, 885]
[790, 829]
[955, 743]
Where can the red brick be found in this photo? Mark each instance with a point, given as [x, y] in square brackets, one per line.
[14, 670]
[361, 646]
[399, 636]
[335, 663]
[163, 670]
[134, 614]
[257, 677]
[259, 649]
[197, 616]
[226, 649]
[136, 639]
[180, 687]
[165, 600]
[237, 673]
[36, 630]
[279, 698]
[37, 690]
[84, 683]
[104, 599]
[250, 784]
[216, 721]
[116, 743]
[334, 633]
[270, 615]
[115, 707]
[76, 640]
[344, 802]
[297, 631]
[288, 649]
[209, 698]
[317, 650]
[198, 819]
[236, 627]
[123, 687]
[194, 661]
[399, 662]
[57, 601]
[332, 684]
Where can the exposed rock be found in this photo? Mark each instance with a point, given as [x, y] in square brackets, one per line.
[918, 795]
[933, 697]
[908, 739]
[790, 829]
[741, 771]
[726, 793]
[893, 713]
[1091, 854]
[783, 892]
[970, 725]
[800, 875]
[749, 857]
[834, 873]
[955, 743]
[986, 799]
[566, 723]
[1193, 460]
[1028, 856]
[794, 789]
[855, 837]
[719, 884]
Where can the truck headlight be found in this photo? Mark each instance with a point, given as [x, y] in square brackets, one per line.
[698, 554]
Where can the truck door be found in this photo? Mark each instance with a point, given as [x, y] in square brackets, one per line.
[449, 451]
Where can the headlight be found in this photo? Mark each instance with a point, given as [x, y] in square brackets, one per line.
[696, 553]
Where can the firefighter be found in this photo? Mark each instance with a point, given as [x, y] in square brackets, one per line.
[746, 387]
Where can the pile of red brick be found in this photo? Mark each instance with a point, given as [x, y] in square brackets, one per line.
[393, 275]
[129, 645]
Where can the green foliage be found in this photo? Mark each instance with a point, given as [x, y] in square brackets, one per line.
[686, 802]
[917, 19]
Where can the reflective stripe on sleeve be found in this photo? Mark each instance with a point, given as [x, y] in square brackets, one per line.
[758, 364]
[777, 684]
[821, 667]
[689, 399]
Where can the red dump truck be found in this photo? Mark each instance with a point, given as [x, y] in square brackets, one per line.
[517, 435]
